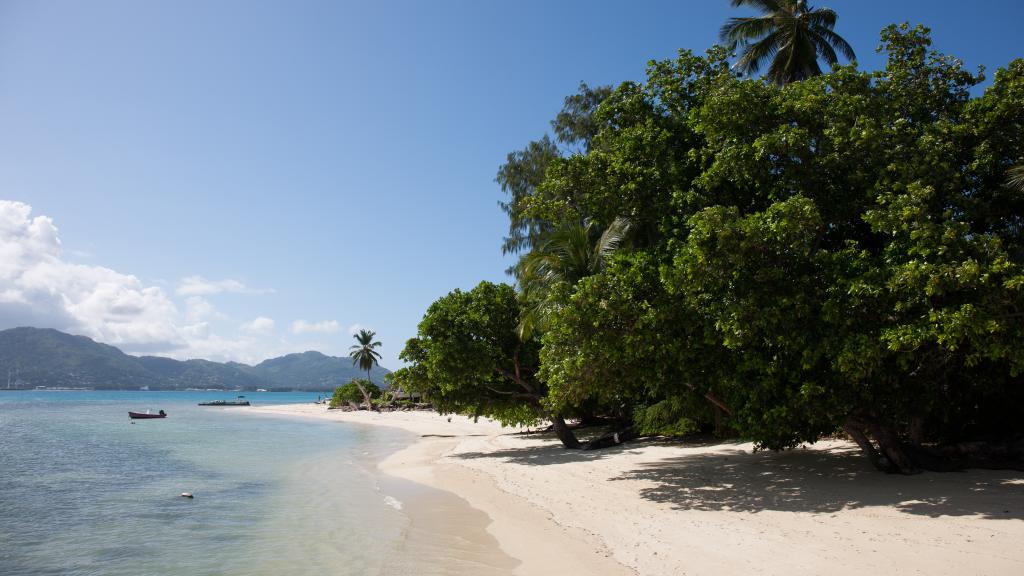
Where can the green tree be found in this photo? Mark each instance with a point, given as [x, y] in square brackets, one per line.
[365, 355]
[354, 392]
[624, 349]
[474, 363]
[791, 35]
[837, 253]
[561, 258]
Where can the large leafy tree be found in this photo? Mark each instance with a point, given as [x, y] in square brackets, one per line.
[839, 253]
[365, 355]
[622, 347]
[790, 36]
[469, 356]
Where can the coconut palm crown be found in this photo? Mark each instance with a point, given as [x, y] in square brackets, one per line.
[790, 34]
[565, 254]
[363, 353]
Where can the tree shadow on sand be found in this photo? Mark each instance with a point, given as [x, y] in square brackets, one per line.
[822, 481]
[553, 453]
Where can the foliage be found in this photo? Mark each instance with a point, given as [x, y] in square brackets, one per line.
[364, 353]
[838, 252]
[1016, 178]
[666, 418]
[353, 393]
[790, 34]
[562, 257]
[467, 354]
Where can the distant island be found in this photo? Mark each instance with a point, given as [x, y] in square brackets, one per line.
[42, 357]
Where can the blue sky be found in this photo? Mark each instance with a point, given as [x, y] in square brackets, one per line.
[237, 180]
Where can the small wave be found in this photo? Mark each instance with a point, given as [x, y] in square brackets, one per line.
[393, 502]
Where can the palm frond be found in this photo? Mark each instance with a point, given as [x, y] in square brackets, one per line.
[837, 42]
[745, 30]
[759, 53]
[825, 17]
[790, 34]
[611, 240]
[825, 51]
[1016, 178]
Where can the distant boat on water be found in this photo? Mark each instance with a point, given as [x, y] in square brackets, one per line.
[239, 402]
[146, 415]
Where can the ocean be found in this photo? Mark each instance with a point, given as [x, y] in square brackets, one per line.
[85, 491]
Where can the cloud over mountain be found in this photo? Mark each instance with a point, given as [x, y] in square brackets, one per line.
[38, 287]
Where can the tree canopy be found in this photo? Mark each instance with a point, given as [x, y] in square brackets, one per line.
[838, 253]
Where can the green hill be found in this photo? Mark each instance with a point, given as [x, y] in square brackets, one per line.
[314, 371]
[44, 357]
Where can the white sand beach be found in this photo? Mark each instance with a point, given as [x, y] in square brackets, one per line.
[660, 508]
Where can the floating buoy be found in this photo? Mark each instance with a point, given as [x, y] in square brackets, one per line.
[187, 495]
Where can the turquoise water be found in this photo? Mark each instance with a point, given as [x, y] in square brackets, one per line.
[83, 490]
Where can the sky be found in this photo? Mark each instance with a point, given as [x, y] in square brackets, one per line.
[240, 180]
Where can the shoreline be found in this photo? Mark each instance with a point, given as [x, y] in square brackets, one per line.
[661, 508]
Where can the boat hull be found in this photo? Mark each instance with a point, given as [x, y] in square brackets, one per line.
[141, 416]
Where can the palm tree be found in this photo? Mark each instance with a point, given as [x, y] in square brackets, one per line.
[366, 357]
[565, 254]
[791, 34]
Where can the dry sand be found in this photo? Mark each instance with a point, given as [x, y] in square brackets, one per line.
[657, 508]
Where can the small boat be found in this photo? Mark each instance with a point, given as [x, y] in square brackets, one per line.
[145, 415]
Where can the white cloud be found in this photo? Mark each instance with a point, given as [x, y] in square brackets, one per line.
[199, 286]
[198, 309]
[325, 327]
[39, 288]
[258, 325]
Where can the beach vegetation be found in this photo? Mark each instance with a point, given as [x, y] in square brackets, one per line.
[353, 393]
[835, 253]
[468, 354]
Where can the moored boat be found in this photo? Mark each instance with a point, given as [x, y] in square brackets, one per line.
[238, 401]
[145, 415]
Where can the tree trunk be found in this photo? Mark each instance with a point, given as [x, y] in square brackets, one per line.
[894, 455]
[854, 431]
[891, 455]
[564, 433]
[889, 445]
[916, 431]
[366, 397]
[611, 439]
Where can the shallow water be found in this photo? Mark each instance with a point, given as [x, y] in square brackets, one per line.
[86, 491]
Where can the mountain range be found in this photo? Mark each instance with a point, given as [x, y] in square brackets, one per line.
[31, 357]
